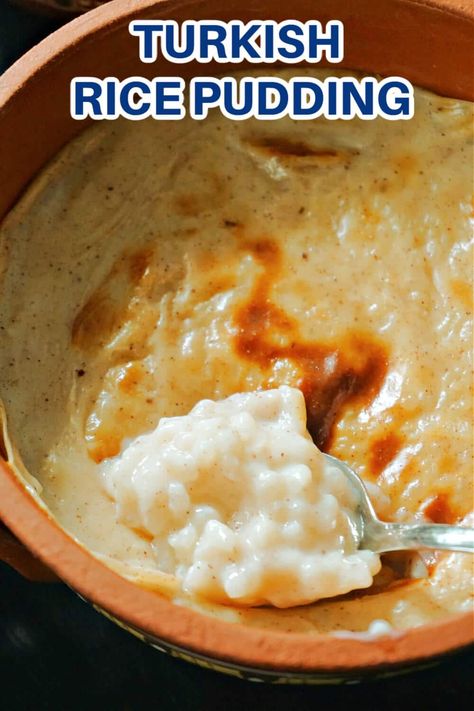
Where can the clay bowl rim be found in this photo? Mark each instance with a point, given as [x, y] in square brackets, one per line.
[151, 613]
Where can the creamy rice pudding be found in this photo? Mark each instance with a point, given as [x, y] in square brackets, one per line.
[154, 265]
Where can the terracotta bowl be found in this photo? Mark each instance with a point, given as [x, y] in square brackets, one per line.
[427, 41]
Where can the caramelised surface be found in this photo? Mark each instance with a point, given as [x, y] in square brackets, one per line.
[331, 376]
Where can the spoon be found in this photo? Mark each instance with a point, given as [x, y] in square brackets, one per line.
[381, 537]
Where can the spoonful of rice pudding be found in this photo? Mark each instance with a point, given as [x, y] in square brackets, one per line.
[243, 508]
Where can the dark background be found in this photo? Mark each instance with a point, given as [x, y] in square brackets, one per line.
[57, 653]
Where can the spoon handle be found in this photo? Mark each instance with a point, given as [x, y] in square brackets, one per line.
[383, 537]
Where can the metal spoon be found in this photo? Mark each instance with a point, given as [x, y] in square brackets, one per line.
[380, 537]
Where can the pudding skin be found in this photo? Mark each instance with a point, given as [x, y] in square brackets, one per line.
[152, 265]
